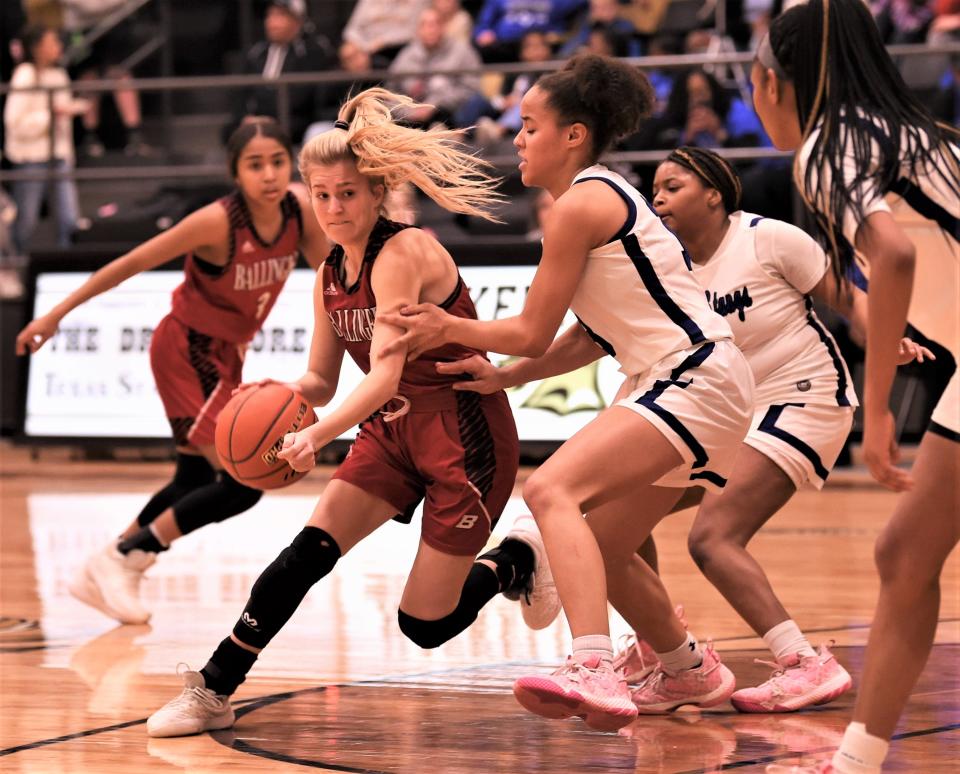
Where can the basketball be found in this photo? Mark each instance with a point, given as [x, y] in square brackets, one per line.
[250, 431]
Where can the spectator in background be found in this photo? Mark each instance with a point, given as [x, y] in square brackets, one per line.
[12, 21]
[28, 122]
[106, 59]
[700, 112]
[604, 18]
[457, 23]
[604, 40]
[384, 26]
[946, 102]
[499, 117]
[432, 52]
[285, 49]
[902, 21]
[501, 24]
[357, 62]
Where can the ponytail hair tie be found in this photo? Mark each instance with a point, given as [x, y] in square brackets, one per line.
[341, 125]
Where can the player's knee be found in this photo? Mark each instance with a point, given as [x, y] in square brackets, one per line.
[541, 494]
[237, 497]
[428, 634]
[701, 543]
[312, 555]
[900, 557]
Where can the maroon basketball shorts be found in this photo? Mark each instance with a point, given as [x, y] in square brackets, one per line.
[456, 451]
[195, 375]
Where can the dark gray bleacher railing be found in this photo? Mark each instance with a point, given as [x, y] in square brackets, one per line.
[284, 82]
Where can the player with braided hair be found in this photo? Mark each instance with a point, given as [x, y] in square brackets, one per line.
[877, 171]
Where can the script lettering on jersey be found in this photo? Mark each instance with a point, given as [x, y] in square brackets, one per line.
[353, 324]
[736, 303]
[268, 271]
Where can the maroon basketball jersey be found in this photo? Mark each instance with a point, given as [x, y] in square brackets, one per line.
[230, 302]
[352, 311]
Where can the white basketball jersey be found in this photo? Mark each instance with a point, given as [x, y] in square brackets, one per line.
[928, 209]
[758, 280]
[638, 298]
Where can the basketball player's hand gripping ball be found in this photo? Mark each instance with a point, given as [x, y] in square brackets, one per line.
[299, 450]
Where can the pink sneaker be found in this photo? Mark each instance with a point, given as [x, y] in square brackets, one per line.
[795, 684]
[707, 685]
[823, 767]
[637, 658]
[590, 691]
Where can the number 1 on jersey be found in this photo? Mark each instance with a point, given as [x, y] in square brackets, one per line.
[262, 302]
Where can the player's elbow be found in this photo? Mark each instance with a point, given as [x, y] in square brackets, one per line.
[899, 257]
[534, 344]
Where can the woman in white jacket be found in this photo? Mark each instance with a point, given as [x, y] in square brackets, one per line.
[27, 118]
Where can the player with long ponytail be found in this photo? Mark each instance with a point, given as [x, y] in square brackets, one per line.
[870, 155]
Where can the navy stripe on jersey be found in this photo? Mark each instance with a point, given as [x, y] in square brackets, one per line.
[755, 221]
[709, 475]
[648, 400]
[946, 432]
[601, 342]
[924, 205]
[769, 425]
[480, 460]
[657, 292]
[831, 346]
[631, 220]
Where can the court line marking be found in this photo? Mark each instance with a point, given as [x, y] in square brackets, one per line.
[244, 702]
[247, 706]
[816, 751]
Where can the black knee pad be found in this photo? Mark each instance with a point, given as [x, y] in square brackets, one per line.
[236, 496]
[479, 588]
[283, 585]
[192, 472]
[215, 502]
[430, 634]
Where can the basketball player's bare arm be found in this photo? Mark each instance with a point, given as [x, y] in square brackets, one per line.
[571, 350]
[396, 281]
[319, 384]
[892, 258]
[313, 243]
[582, 218]
[198, 232]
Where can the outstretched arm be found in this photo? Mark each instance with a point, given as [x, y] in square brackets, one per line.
[201, 229]
[585, 216]
[571, 350]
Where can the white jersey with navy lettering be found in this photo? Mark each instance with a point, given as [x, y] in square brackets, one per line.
[758, 279]
[638, 297]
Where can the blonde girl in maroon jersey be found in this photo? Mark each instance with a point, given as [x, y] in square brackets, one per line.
[418, 439]
[240, 251]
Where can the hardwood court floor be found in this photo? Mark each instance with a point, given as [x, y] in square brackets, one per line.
[340, 689]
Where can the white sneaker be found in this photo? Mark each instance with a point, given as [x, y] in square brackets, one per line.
[195, 710]
[110, 582]
[539, 602]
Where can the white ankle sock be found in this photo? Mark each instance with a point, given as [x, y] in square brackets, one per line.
[686, 656]
[860, 752]
[785, 639]
[591, 645]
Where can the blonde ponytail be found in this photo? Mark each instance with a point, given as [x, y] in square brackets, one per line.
[433, 160]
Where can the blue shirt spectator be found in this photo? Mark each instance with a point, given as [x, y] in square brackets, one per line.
[604, 13]
[502, 23]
